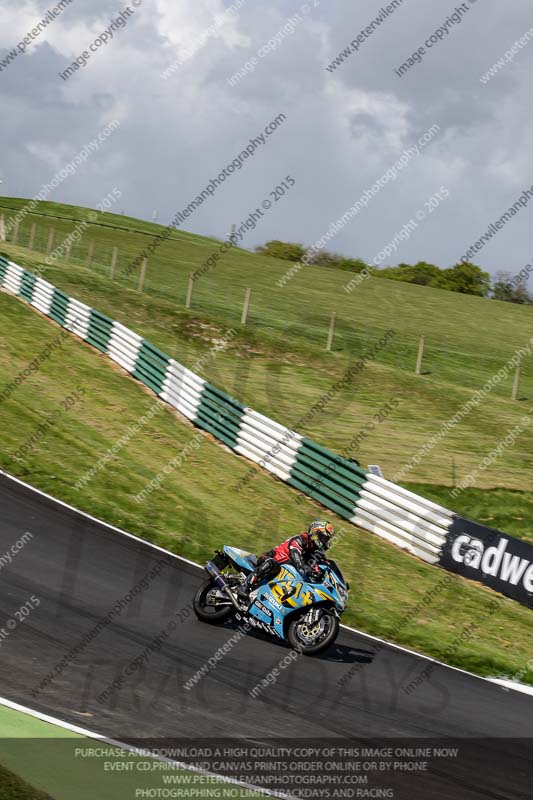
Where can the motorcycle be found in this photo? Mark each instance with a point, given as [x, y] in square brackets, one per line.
[301, 611]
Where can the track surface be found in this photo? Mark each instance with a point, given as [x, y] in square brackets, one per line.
[79, 569]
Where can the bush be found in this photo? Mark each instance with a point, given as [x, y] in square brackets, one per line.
[288, 251]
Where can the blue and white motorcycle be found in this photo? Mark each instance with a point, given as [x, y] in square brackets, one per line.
[304, 613]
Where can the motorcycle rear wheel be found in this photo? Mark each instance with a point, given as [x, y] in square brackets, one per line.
[207, 611]
[314, 639]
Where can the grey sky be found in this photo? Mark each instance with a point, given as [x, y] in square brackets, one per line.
[344, 128]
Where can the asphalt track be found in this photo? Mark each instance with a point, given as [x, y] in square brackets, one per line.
[79, 569]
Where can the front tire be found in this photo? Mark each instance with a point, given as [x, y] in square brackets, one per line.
[205, 608]
[315, 638]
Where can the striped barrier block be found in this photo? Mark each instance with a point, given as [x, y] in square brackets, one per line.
[182, 389]
[13, 278]
[43, 293]
[77, 318]
[268, 443]
[99, 330]
[4, 264]
[368, 501]
[123, 346]
[59, 305]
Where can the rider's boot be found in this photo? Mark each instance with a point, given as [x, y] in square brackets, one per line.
[244, 589]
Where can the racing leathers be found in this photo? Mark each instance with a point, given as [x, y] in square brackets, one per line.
[299, 550]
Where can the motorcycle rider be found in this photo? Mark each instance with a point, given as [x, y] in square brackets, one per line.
[301, 551]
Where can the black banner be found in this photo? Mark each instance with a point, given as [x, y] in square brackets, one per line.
[490, 557]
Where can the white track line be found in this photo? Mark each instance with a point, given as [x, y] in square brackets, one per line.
[95, 519]
[493, 681]
[135, 750]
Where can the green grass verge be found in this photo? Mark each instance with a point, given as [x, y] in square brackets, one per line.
[197, 508]
[45, 755]
[505, 509]
[278, 364]
[14, 788]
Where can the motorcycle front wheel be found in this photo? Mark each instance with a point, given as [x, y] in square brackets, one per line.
[208, 607]
[311, 637]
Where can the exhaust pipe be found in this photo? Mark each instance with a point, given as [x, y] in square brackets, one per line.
[220, 581]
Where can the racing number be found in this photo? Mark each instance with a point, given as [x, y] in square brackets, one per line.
[281, 589]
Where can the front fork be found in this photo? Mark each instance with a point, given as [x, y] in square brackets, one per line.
[312, 616]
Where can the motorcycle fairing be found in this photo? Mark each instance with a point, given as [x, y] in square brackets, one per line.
[241, 557]
[286, 594]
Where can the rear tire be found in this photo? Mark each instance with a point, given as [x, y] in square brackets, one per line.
[297, 631]
[206, 611]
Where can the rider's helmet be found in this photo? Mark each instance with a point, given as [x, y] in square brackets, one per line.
[321, 533]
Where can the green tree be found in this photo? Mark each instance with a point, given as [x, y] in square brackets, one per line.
[288, 251]
[337, 261]
[421, 273]
[464, 278]
[510, 290]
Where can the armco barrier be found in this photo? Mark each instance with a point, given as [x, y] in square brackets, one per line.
[372, 503]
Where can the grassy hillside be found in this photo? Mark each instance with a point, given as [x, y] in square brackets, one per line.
[197, 508]
[278, 363]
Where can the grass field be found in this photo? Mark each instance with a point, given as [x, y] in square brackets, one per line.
[278, 364]
[14, 788]
[197, 508]
[45, 755]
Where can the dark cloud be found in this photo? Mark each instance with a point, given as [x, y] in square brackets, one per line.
[344, 129]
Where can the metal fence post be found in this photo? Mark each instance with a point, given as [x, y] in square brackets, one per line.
[420, 356]
[331, 330]
[246, 306]
[190, 287]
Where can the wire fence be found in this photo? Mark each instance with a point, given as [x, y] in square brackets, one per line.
[92, 246]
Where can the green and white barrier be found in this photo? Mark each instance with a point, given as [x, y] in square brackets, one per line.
[370, 502]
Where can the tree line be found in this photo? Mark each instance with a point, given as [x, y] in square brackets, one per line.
[465, 278]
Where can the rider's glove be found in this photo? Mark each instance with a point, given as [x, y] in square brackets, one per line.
[314, 575]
